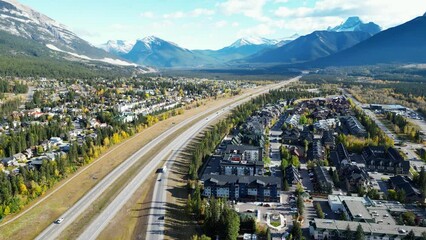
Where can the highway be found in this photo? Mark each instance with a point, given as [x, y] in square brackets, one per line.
[157, 213]
[93, 230]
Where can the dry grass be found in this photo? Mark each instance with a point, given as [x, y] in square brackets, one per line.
[37, 219]
[131, 222]
[176, 219]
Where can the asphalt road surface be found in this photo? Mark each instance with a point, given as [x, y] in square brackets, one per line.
[157, 214]
[96, 227]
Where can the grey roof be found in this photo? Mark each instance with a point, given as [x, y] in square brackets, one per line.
[322, 175]
[369, 228]
[233, 179]
[241, 148]
[357, 210]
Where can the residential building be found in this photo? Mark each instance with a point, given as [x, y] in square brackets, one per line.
[290, 136]
[249, 153]
[246, 188]
[321, 229]
[352, 126]
[354, 177]
[293, 120]
[340, 156]
[328, 139]
[412, 194]
[232, 164]
[292, 175]
[324, 181]
[316, 151]
[388, 161]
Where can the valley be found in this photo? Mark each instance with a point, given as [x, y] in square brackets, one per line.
[227, 119]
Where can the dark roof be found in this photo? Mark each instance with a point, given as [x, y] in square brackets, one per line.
[241, 148]
[292, 174]
[322, 175]
[404, 183]
[250, 180]
[379, 153]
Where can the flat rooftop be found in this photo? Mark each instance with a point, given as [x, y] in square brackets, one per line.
[338, 199]
[368, 228]
[357, 210]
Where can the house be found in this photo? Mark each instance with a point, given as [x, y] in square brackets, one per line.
[20, 157]
[352, 126]
[354, 177]
[403, 182]
[293, 120]
[326, 124]
[55, 141]
[385, 160]
[340, 156]
[290, 136]
[328, 139]
[28, 153]
[292, 175]
[316, 151]
[242, 188]
[9, 161]
[324, 181]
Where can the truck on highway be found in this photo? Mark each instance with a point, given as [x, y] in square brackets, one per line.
[162, 169]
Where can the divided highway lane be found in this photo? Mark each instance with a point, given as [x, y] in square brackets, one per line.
[54, 230]
[96, 227]
[157, 213]
[117, 204]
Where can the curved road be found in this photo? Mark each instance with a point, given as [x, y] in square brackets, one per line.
[93, 230]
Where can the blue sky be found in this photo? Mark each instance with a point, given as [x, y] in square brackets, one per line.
[213, 24]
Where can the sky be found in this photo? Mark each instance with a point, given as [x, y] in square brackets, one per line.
[213, 24]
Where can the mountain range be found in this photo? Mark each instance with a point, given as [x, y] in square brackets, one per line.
[51, 37]
[310, 47]
[31, 42]
[401, 44]
[160, 53]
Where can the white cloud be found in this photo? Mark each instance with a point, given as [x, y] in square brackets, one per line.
[235, 24]
[202, 12]
[249, 8]
[198, 12]
[147, 14]
[174, 15]
[382, 12]
[260, 30]
[221, 24]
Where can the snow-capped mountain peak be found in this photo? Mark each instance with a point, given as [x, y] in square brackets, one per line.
[118, 46]
[153, 40]
[349, 25]
[22, 21]
[356, 24]
[253, 41]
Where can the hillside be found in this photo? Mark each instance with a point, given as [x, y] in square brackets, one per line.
[402, 44]
[312, 46]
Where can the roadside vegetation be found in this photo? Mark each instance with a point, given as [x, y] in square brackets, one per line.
[198, 207]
